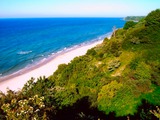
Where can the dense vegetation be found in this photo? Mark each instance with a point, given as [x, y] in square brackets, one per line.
[129, 24]
[118, 79]
[134, 18]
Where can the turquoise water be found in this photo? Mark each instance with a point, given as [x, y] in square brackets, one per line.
[25, 42]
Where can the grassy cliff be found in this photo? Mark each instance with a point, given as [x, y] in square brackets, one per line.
[118, 79]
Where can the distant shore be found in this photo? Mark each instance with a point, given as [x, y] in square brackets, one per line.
[48, 67]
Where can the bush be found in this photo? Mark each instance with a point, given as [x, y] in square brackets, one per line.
[153, 18]
[24, 109]
[91, 52]
[114, 47]
[129, 24]
[106, 94]
[134, 63]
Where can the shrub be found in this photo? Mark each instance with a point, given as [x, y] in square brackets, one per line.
[91, 52]
[153, 18]
[24, 109]
[129, 24]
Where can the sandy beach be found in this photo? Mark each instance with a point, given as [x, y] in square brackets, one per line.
[46, 69]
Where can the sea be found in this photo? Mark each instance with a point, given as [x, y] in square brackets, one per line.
[26, 42]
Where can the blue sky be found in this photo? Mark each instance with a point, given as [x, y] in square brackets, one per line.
[76, 8]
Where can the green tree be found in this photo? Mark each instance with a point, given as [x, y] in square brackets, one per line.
[129, 24]
[106, 94]
[153, 18]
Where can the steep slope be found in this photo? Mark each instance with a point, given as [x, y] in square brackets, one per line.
[121, 76]
[118, 74]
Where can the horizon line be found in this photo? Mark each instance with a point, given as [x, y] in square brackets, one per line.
[56, 17]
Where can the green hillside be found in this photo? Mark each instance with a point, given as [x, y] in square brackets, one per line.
[134, 18]
[118, 79]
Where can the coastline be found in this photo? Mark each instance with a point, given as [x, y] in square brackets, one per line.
[48, 67]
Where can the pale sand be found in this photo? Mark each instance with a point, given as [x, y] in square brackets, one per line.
[17, 82]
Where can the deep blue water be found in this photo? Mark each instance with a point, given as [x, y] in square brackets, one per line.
[24, 42]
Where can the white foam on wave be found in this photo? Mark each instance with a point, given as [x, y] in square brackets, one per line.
[99, 38]
[60, 51]
[24, 52]
[44, 59]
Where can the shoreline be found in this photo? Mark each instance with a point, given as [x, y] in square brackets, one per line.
[45, 68]
[43, 59]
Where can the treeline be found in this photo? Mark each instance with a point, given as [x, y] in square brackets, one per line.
[118, 79]
[134, 18]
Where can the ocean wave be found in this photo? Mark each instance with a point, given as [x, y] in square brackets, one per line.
[44, 59]
[99, 38]
[24, 52]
